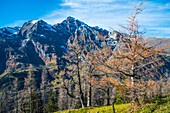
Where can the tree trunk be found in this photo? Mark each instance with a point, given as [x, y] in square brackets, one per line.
[113, 107]
[82, 100]
[113, 102]
[44, 77]
[30, 100]
[16, 99]
[89, 95]
[0, 103]
[81, 94]
[135, 96]
[108, 96]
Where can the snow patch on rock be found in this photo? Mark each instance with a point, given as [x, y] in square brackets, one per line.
[13, 31]
[34, 21]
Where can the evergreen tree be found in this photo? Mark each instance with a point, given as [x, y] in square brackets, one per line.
[36, 103]
[52, 103]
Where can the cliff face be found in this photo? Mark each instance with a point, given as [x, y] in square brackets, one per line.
[38, 42]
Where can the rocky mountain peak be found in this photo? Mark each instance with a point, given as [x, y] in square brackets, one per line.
[39, 22]
[70, 19]
[38, 41]
[72, 22]
[8, 32]
[38, 27]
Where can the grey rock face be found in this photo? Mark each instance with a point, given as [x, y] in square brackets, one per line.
[36, 41]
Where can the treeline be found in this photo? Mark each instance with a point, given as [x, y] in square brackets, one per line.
[51, 98]
[30, 99]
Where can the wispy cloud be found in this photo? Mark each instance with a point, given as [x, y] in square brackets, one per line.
[17, 23]
[110, 13]
[93, 12]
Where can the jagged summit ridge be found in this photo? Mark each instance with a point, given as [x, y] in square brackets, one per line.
[37, 41]
[70, 24]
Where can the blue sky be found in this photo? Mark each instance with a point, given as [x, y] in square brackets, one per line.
[103, 13]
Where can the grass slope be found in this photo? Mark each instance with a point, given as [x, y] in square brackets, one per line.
[158, 106]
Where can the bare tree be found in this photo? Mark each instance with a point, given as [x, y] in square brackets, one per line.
[30, 84]
[15, 91]
[72, 73]
[44, 85]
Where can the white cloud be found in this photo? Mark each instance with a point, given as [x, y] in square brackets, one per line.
[160, 31]
[94, 12]
[71, 4]
[109, 13]
[17, 23]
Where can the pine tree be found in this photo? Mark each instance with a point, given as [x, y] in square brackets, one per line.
[36, 103]
[52, 103]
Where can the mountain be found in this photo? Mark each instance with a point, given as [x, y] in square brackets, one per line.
[39, 44]
[36, 42]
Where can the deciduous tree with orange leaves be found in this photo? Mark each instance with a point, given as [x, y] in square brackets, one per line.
[133, 56]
